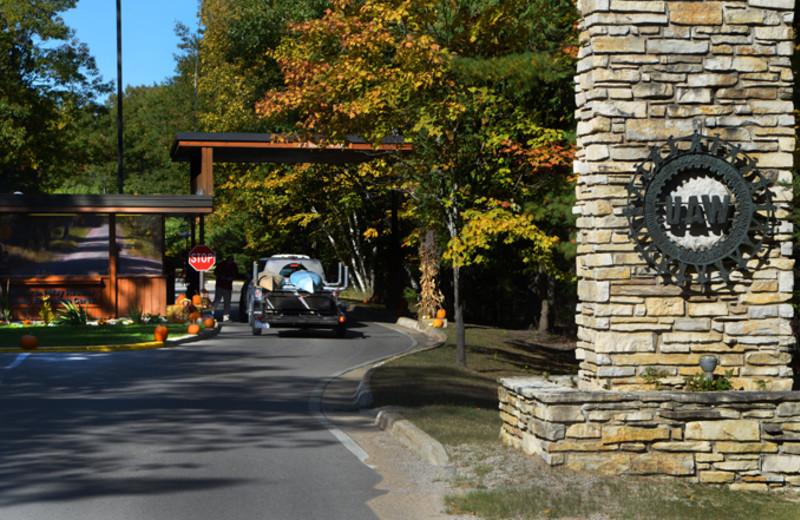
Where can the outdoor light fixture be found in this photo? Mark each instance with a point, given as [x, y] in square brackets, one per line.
[708, 364]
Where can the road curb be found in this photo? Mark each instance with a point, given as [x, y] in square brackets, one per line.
[402, 430]
[189, 338]
[409, 435]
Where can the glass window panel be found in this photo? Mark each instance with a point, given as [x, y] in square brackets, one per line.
[53, 245]
[140, 242]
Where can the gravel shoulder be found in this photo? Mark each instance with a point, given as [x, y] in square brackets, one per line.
[413, 489]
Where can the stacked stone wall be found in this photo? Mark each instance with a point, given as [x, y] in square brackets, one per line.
[746, 440]
[648, 71]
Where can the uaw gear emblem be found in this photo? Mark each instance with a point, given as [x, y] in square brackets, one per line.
[699, 210]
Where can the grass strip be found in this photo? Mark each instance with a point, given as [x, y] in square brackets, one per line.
[622, 499]
[448, 401]
[85, 335]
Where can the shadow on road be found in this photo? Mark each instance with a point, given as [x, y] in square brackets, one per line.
[77, 426]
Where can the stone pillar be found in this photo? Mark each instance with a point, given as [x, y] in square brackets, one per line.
[649, 71]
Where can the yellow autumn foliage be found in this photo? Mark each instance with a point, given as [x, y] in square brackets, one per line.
[482, 229]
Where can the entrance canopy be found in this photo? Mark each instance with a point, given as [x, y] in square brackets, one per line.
[203, 149]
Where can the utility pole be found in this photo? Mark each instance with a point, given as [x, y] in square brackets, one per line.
[120, 175]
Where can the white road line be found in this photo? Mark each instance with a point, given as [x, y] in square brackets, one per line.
[17, 362]
[315, 405]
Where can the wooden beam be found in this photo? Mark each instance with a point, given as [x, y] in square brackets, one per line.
[113, 256]
[271, 148]
[201, 168]
[42, 204]
[206, 180]
[303, 145]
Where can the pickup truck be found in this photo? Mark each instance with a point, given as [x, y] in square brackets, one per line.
[290, 291]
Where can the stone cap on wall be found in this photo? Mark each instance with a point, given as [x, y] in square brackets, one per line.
[552, 393]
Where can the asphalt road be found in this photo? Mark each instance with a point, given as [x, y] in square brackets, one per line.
[227, 428]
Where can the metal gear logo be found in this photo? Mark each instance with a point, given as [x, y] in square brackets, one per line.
[699, 209]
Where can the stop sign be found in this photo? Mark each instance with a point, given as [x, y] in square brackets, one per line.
[201, 258]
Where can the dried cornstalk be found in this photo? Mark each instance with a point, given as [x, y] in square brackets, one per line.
[431, 297]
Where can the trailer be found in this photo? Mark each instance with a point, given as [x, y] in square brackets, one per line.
[290, 291]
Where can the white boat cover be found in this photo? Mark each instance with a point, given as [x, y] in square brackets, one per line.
[306, 281]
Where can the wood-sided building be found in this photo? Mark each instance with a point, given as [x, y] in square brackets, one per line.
[105, 252]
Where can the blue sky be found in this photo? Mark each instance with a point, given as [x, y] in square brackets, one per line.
[148, 36]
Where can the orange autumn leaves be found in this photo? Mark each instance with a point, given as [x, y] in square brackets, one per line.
[356, 69]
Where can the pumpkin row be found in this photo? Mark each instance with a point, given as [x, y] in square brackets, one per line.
[30, 342]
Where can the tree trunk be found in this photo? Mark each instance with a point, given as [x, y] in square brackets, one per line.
[453, 219]
[544, 317]
[548, 299]
[458, 306]
[394, 293]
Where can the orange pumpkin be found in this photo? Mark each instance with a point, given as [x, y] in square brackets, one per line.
[441, 313]
[28, 342]
[196, 299]
[437, 322]
[209, 323]
[194, 328]
[194, 316]
[179, 299]
[161, 333]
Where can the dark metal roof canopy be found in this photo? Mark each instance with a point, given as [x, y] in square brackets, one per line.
[203, 149]
[273, 148]
[119, 204]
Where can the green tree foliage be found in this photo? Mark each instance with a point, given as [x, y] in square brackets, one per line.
[522, 49]
[235, 69]
[322, 210]
[47, 80]
[153, 116]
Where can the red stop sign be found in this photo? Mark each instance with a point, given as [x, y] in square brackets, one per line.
[202, 258]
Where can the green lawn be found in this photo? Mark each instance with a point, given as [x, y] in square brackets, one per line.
[84, 335]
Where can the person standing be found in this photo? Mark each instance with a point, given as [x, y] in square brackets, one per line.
[225, 273]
